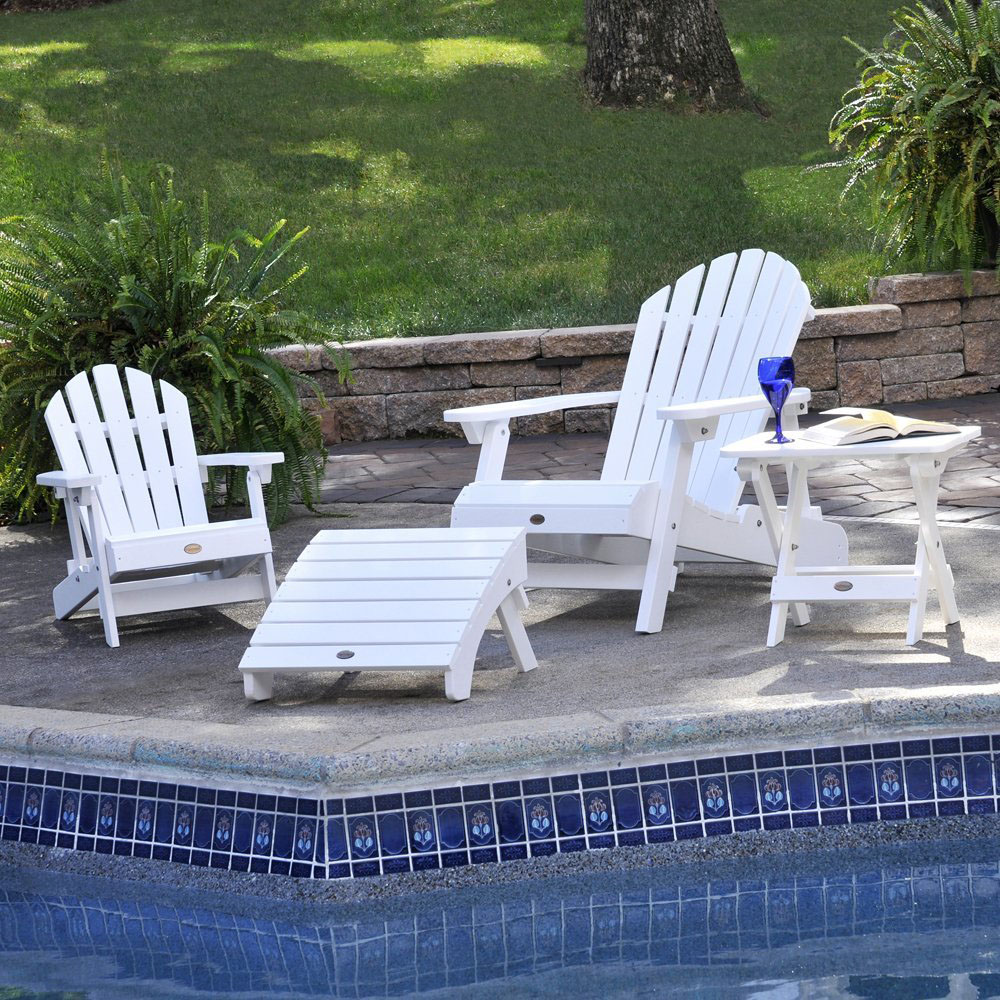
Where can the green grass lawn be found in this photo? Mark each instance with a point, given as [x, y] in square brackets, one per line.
[453, 176]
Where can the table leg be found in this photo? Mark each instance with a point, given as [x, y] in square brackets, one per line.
[788, 548]
[926, 477]
[771, 516]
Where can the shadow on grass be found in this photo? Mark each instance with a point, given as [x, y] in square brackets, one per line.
[451, 183]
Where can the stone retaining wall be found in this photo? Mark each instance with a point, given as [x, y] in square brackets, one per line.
[925, 336]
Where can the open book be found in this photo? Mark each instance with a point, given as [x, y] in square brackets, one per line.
[853, 425]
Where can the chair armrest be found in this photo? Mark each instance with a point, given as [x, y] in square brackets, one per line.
[720, 407]
[67, 481]
[248, 458]
[488, 412]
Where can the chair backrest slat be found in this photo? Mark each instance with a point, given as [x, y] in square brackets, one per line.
[95, 447]
[673, 341]
[182, 451]
[706, 347]
[118, 422]
[67, 445]
[149, 427]
[635, 385]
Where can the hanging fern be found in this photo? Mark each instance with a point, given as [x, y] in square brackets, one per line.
[134, 278]
[922, 133]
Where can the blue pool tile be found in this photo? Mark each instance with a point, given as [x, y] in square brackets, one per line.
[685, 801]
[714, 798]
[417, 800]
[538, 811]
[336, 839]
[656, 805]
[773, 791]
[689, 831]
[746, 823]
[860, 784]
[622, 776]
[715, 828]
[946, 745]
[362, 837]
[389, 803]
[125, 818]
[569, 815]
[777, 821]
[506, 789]
[827, 755]
[681, 769]
[145, 819]
[476, 793]
[802, 788]
[392, 833]
[919, 779]
[513, 852]
[481, 824]
[883, 751]
[834, 817]
[948, 776]
[204, 828]
[971, 744]
[739, 762]
[955, 807]
[859, 751]
[357, 806]
[572, 845]
[916, 748]
[889, 780]
[652, 772]
[284, 836]
[89, 805]
[510, 821]
[798, 758]
[982, 806]
[769, 761]
[710, 765]
[222, 833]
[978, 775]
[805, 819]
[743, 794]
[185, 793]
[597, 810]
[866, 815]
[51, 801]
[32, 812]
[451, 828]
[420, 831]
[628, 808]
[443, 796]
[892, 812]
[565, 783]
[593, 779]
[921, 810]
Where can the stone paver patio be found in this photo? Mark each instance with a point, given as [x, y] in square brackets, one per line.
[434, 470]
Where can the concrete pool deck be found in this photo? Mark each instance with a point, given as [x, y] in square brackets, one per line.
[170, 700]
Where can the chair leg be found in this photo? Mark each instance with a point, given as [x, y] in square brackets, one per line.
[514, 633]
[267, 575]
[105, 600]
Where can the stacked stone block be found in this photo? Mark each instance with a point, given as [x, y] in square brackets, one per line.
[924, 336]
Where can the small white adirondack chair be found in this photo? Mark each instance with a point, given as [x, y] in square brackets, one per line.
[138, 525]
[664, 494]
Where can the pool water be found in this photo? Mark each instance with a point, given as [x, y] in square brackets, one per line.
[906, 922]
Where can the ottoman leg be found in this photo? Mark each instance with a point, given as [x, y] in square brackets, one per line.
[258, 685]
[514, 633]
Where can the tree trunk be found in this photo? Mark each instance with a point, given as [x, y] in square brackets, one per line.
[643, 51]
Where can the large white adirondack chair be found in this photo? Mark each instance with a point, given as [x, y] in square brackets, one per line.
[138, 525]
[664, 494]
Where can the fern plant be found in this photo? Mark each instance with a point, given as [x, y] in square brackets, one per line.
[132, 277]
[922, 133]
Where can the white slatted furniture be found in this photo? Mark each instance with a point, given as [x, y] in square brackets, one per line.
[665, 492]
[927, 457]
[393, 599]
[138, 525]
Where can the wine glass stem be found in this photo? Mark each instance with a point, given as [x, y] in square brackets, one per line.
[777, 423]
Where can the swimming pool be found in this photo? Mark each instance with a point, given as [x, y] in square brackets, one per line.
[914, 921]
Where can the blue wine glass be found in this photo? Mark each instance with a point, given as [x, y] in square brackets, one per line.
[777, 378]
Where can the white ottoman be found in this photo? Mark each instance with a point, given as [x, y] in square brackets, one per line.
[393, 599]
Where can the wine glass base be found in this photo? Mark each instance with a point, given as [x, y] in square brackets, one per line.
[780, 439]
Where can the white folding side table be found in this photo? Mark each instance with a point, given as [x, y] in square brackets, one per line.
[793, 586]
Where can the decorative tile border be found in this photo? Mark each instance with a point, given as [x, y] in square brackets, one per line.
[455, 826]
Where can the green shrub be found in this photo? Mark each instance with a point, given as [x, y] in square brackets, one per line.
[922, 131]
[132, 277]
